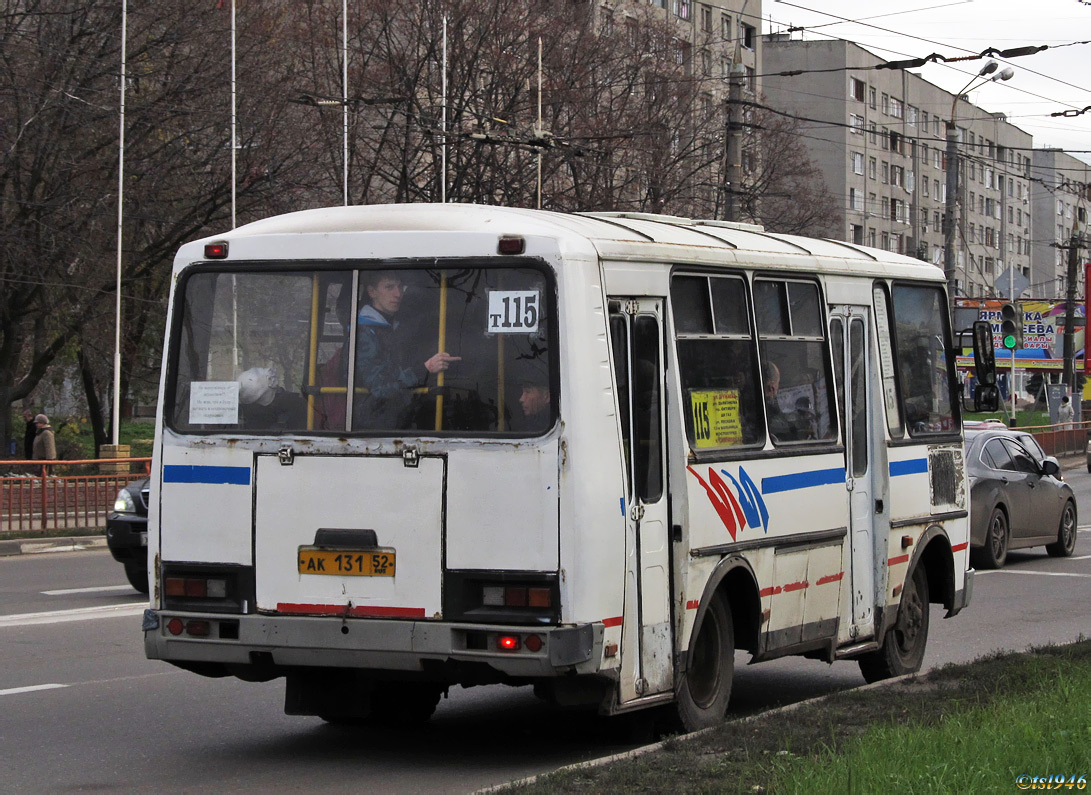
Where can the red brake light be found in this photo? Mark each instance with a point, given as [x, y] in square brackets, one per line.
[508, 642]
[174, 586]
[511, 245]
[533, 642]
[175, 626]
[215, 250]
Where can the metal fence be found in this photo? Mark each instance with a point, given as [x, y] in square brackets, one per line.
[45, 496]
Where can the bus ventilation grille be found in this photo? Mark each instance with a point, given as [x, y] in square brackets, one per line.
[943, 466]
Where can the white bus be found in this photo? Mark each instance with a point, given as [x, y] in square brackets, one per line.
[592, 453]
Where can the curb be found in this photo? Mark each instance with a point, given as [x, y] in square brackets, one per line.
[30, 546]
[684, 738]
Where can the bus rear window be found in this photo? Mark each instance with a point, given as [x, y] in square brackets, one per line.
[375, 351]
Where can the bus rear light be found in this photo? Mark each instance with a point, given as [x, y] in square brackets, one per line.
[516, 596]
[508, 642]
[539, 597]
[195, 587]
[215, 250]
[511, 245]
[198, 629]
[492, 596]
[175, 626]
[533, 643]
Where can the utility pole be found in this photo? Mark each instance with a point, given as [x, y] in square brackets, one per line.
[734, 142]
[1075, 243]
[950, 201]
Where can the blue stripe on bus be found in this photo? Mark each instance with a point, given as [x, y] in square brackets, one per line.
[184, 473]
[916, 466]
[802, 480]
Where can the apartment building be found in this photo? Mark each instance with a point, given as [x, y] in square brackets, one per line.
[879, 137]
[1060, 190]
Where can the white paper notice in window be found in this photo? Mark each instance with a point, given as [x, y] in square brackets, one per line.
[214, 403]
[513, 312]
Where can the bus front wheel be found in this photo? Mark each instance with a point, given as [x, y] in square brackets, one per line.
[903, 648]
[704, 688]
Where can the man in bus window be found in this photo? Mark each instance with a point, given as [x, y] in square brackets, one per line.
[535, 403]
[381, 368]
[779, 427]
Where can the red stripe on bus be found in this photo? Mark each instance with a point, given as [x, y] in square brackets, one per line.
[796, 586]
[692, 604]
[359, 611]
[897, 560]
[959, 547]
[612, 622]
[770, 591]
[831, 578]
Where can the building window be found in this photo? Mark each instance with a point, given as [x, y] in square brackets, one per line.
[749, 33]
[886, 104]
[937, 221]
[924, 120]
[911, 119]
[897, 176]
[856, 200]
[873, 133]
[924, 155]
[706, 18]
[924, 184]
[857, 163]
[871, 97]
[871, 237]
[856, 124]
[856, 234]
[935, 125]
[886, 172]
[681, 9]
[871, 167]
[725, 28]
[896, 108]
[856, 89]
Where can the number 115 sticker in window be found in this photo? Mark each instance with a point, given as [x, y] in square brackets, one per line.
[513, 311]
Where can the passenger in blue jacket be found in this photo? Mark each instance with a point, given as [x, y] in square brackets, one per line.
[381, 368]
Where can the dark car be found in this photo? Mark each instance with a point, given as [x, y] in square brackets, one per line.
[127, 533]
[1018, 498]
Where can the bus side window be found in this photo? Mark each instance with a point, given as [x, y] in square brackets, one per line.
[717, 361]
[619, 341]
[799, 386]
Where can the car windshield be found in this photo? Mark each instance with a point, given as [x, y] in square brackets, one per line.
[370, 350]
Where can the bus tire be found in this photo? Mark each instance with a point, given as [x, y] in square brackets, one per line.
[403, 703]
[903, 648]
[704, 688]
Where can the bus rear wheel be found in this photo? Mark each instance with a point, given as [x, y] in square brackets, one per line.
[903, 648]
[703, 690]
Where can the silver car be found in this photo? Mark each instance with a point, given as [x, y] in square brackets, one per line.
[1018, 498]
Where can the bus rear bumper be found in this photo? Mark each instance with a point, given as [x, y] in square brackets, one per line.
[277, 642]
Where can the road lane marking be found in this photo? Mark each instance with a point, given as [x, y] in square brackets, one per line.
[1039, 573]
[77, 614]
[11, 691]
[96, 589]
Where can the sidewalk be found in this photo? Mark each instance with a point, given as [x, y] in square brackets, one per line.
[24, 546]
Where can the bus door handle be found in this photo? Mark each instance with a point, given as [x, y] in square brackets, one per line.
[637, 511]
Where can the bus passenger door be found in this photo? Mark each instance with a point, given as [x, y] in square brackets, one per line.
[853, 366]
[637, 340]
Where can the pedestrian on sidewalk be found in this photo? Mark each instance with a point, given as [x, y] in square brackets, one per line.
[45, 446]
[1064, 414]
[29, 434]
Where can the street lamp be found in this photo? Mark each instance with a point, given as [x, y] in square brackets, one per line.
[986, 75]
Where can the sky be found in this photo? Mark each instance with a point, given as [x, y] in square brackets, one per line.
[1054, 80]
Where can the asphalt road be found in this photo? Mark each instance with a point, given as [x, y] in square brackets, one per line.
[80, 707]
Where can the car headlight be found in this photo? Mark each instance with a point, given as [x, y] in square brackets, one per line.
[124, 502]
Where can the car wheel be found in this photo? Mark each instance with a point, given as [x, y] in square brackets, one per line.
[903, 648]
[1065, 544]
[137, 576]
[995, 550]
[704, 689]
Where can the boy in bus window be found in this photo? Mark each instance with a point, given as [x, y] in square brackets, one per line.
[381, 368]
[535, 403]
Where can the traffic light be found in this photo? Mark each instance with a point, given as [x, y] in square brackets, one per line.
[1011, 326]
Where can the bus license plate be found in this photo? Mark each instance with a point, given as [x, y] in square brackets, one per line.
[347, 562]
